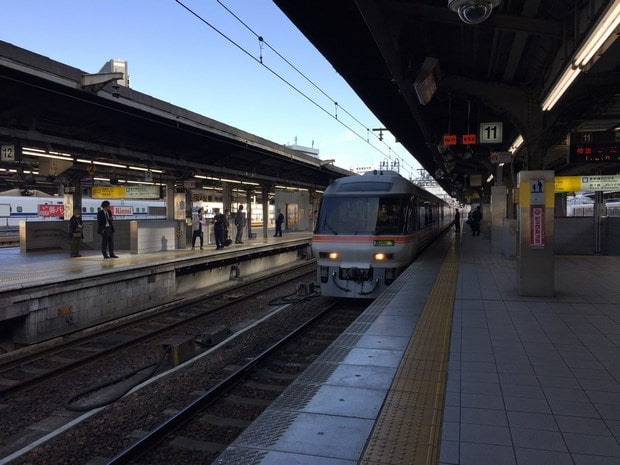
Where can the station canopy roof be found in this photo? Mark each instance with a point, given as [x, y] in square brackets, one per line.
[425, 73]
[49, 108]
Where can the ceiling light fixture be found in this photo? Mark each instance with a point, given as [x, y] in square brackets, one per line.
[516, 145]
[102, 163]
[604, 28]
[139, 168]
[560, 87]
[34, 152]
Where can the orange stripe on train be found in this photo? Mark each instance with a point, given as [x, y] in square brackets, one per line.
[364, 239]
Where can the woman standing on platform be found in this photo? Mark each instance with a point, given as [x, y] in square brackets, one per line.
[75, 231]
[457, 221]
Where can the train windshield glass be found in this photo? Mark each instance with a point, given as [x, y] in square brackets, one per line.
[360, 215]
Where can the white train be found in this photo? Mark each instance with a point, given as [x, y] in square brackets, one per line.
[370, 228]
[13, 209]
[584, 206]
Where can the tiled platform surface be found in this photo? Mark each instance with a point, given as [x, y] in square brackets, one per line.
[533, 381]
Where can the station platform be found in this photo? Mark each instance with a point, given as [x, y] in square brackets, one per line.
[22, 269]
[452, 366]
[48, 294]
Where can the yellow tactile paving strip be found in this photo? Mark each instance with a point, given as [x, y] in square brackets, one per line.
[407, 431]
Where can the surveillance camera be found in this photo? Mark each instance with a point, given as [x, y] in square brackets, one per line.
[473, 11]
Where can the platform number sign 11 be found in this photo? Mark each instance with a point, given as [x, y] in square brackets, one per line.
[491, 133]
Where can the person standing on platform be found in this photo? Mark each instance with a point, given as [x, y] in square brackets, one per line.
[75, 231]
[457, 221]
[198, 223]
[476, 217]
[239, 224]
[105, 227]
[219, 225]
[279, 221]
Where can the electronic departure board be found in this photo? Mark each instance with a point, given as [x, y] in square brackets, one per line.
[594, 147]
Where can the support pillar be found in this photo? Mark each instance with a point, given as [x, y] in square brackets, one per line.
[265, 196]
[178, 207]
[498, 214]
[226, 196]
[248, 196]
[536, 233]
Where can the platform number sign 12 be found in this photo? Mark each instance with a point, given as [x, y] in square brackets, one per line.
[7, 153]
[491, 133]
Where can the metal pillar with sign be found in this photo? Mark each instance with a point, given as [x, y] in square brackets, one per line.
[536, 234]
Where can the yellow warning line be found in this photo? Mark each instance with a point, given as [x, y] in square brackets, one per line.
[408, 427]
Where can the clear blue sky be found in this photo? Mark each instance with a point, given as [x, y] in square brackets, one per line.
[174, 56]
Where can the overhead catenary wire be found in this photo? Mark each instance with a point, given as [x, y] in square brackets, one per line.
[336, 105]
[260, 60]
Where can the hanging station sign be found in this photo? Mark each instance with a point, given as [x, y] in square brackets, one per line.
[587, 183]
[491, 133]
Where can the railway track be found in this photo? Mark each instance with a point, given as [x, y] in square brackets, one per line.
[36, 419]
[23, 369]
[198, 432]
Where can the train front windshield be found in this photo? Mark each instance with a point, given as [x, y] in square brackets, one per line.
[360, 215]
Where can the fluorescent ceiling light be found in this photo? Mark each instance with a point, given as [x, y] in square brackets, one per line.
[45, 155]
[148, 183]
[139, 168]
[490, 178]
[102, 163]
[560, 87]
[516, 145]
[32, 149]
[604, 28]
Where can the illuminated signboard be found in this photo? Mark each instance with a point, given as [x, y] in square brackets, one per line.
[122, 211]
[587, 183]
[51, 211]
[125, 192]
[594, 147]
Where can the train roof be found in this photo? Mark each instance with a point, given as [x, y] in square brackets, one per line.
[377, 182]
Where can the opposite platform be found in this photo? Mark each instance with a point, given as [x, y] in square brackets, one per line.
[21, 268]
[44, 295]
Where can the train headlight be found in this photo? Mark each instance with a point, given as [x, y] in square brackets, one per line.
[379, 257]
[329, 255]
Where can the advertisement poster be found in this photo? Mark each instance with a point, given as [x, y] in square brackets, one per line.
[537, 227]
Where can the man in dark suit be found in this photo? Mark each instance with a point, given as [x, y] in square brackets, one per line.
[105, 227]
